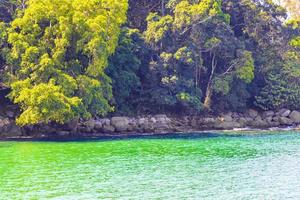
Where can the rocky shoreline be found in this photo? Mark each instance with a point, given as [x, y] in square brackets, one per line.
[149, 125]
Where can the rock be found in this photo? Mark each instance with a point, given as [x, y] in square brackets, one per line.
[227, 125]
[295, 117]
[259, 123]
[284, 112]
[160, 116]
[242, 121]
[105, 121]
[63, 133]
[275, 119]
[98, 125]
[72, 126]
[208, 120]
[153, 120]
[268, 114]
[273, 124]
[252, 113]
[10, 114]
[13, 130]
[227, 117]
[285, 121]
[269, 119]
[236, 115]
[145, 125]
[90, 124]
[258, 118]
[108, 129]
[49, 129]
[120, 123]
[4, 122]
[162, 124]
[194, 123]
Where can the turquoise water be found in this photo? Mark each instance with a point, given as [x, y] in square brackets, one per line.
[222, 167]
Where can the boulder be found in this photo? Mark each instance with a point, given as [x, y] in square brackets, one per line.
[268, 114]
[243, 121]
[98, 125]
[227, 117]
[145, 125]
[295, 117]
[162, 124]
[285, 121]
[284, 112]
[120, 123]
[258, 118]
[105, 121]
[252, 113]
[90, 124]
[108, 129]
[227, 125]
[258, 123]
[72, 126]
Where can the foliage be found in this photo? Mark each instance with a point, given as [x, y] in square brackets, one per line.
[192, 41]
[60, 48]
[66, 59]
[124, 68]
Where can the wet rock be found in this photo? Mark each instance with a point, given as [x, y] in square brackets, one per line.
[120, 123]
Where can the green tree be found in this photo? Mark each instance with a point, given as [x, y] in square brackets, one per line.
[59, 51]
[195, 46]
[123, 69]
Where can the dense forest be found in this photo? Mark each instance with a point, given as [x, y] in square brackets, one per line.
[63, 60]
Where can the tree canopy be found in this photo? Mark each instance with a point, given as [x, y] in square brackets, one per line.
[59, 50]
[71, 59]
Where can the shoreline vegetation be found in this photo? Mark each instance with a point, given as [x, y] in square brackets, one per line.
[94, 68]
[247, 123]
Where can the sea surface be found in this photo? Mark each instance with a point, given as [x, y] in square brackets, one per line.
[195, 166]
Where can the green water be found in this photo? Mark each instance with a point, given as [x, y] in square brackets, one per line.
[245, 167]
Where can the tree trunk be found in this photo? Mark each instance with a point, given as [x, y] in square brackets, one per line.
[163, 7]
[209, 89]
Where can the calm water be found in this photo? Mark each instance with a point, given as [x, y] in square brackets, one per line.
[245, 167]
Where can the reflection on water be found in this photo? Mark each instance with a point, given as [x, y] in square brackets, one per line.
[181, 167]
